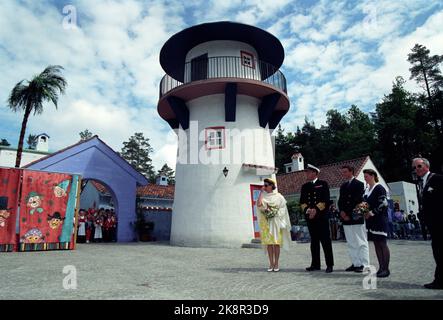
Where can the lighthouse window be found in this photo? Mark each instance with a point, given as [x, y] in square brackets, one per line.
[247, 59]
[215, 138]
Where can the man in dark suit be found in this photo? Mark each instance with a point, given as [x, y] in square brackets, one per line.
[314, 200]
[351, 194]
[430, 195]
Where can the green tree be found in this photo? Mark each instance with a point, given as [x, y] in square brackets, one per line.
[361, 135]
[85, 135]
[32, 141]
[29, 96]
[310, 141]
[398, 136]
[425, 70]
[137, 152]
[5, 143]
[284, 148]
[167, 172]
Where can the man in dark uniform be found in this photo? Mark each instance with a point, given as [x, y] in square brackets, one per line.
[313, 201]
[351, 194]
[430, 195]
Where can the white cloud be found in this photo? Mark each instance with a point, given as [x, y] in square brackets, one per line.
[359, 66]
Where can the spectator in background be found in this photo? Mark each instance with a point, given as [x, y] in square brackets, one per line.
[398, 220]
[90, 226]
[390, 223]
[333, 221]
[411, 224]
[81, 234]
[113, 226]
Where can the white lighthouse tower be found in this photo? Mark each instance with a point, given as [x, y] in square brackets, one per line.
[223, 94]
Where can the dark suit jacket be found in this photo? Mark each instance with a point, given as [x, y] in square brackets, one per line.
[432, 203]
[351, 195]
[315, 196]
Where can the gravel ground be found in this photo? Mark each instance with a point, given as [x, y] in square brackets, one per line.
[160, 271]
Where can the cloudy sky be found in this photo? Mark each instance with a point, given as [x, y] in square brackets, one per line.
[338, 53]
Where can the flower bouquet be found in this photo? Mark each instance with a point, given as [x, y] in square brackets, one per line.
[361, 211]
[270, 212]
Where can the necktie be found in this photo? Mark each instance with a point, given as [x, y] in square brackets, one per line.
[420, 186]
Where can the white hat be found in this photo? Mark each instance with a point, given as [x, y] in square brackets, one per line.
[310, 166]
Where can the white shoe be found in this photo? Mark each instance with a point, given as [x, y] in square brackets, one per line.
[270, 270]
[276, 270]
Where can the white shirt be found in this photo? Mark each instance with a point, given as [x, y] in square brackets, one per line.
[313, 181]
[425, 178]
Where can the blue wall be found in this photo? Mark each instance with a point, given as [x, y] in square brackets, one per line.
[162, 224]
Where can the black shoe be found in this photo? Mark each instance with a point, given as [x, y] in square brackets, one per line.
[359, 269]
[329, 270]
[311, 268]
[383, 274]
[351, 268]
[433, 285]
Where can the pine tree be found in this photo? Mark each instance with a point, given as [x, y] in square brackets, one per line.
[397, 133]
[425, 69]
[137, 152]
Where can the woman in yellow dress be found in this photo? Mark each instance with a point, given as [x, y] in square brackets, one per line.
[273, 218]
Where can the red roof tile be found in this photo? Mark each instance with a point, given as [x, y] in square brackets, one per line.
[290, 183]
[100, 188]
[156, 191]
[151, 190]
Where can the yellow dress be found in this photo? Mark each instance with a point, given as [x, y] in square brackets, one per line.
[266, 237]
[277, 227]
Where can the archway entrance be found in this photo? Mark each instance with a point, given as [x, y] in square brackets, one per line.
[98, 216]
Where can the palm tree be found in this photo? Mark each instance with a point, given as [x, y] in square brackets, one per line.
[30, 96]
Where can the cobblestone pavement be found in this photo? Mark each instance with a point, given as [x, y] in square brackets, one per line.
[160, 271]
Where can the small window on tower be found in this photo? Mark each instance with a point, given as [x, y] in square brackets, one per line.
[247, 59]
[215, 138]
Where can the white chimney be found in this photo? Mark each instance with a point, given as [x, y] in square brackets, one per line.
[297, 164]
[162, 180]
[42, 143]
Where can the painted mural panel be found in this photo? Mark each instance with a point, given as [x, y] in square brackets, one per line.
[9, 194]
[47, 210]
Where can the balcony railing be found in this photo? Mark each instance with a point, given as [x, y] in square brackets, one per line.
[226, 67]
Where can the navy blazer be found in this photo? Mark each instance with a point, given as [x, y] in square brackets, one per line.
[351, 194]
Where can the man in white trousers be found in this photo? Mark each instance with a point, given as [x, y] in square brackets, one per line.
[351, 194]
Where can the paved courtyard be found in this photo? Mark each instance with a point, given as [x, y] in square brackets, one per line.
[160, 271]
